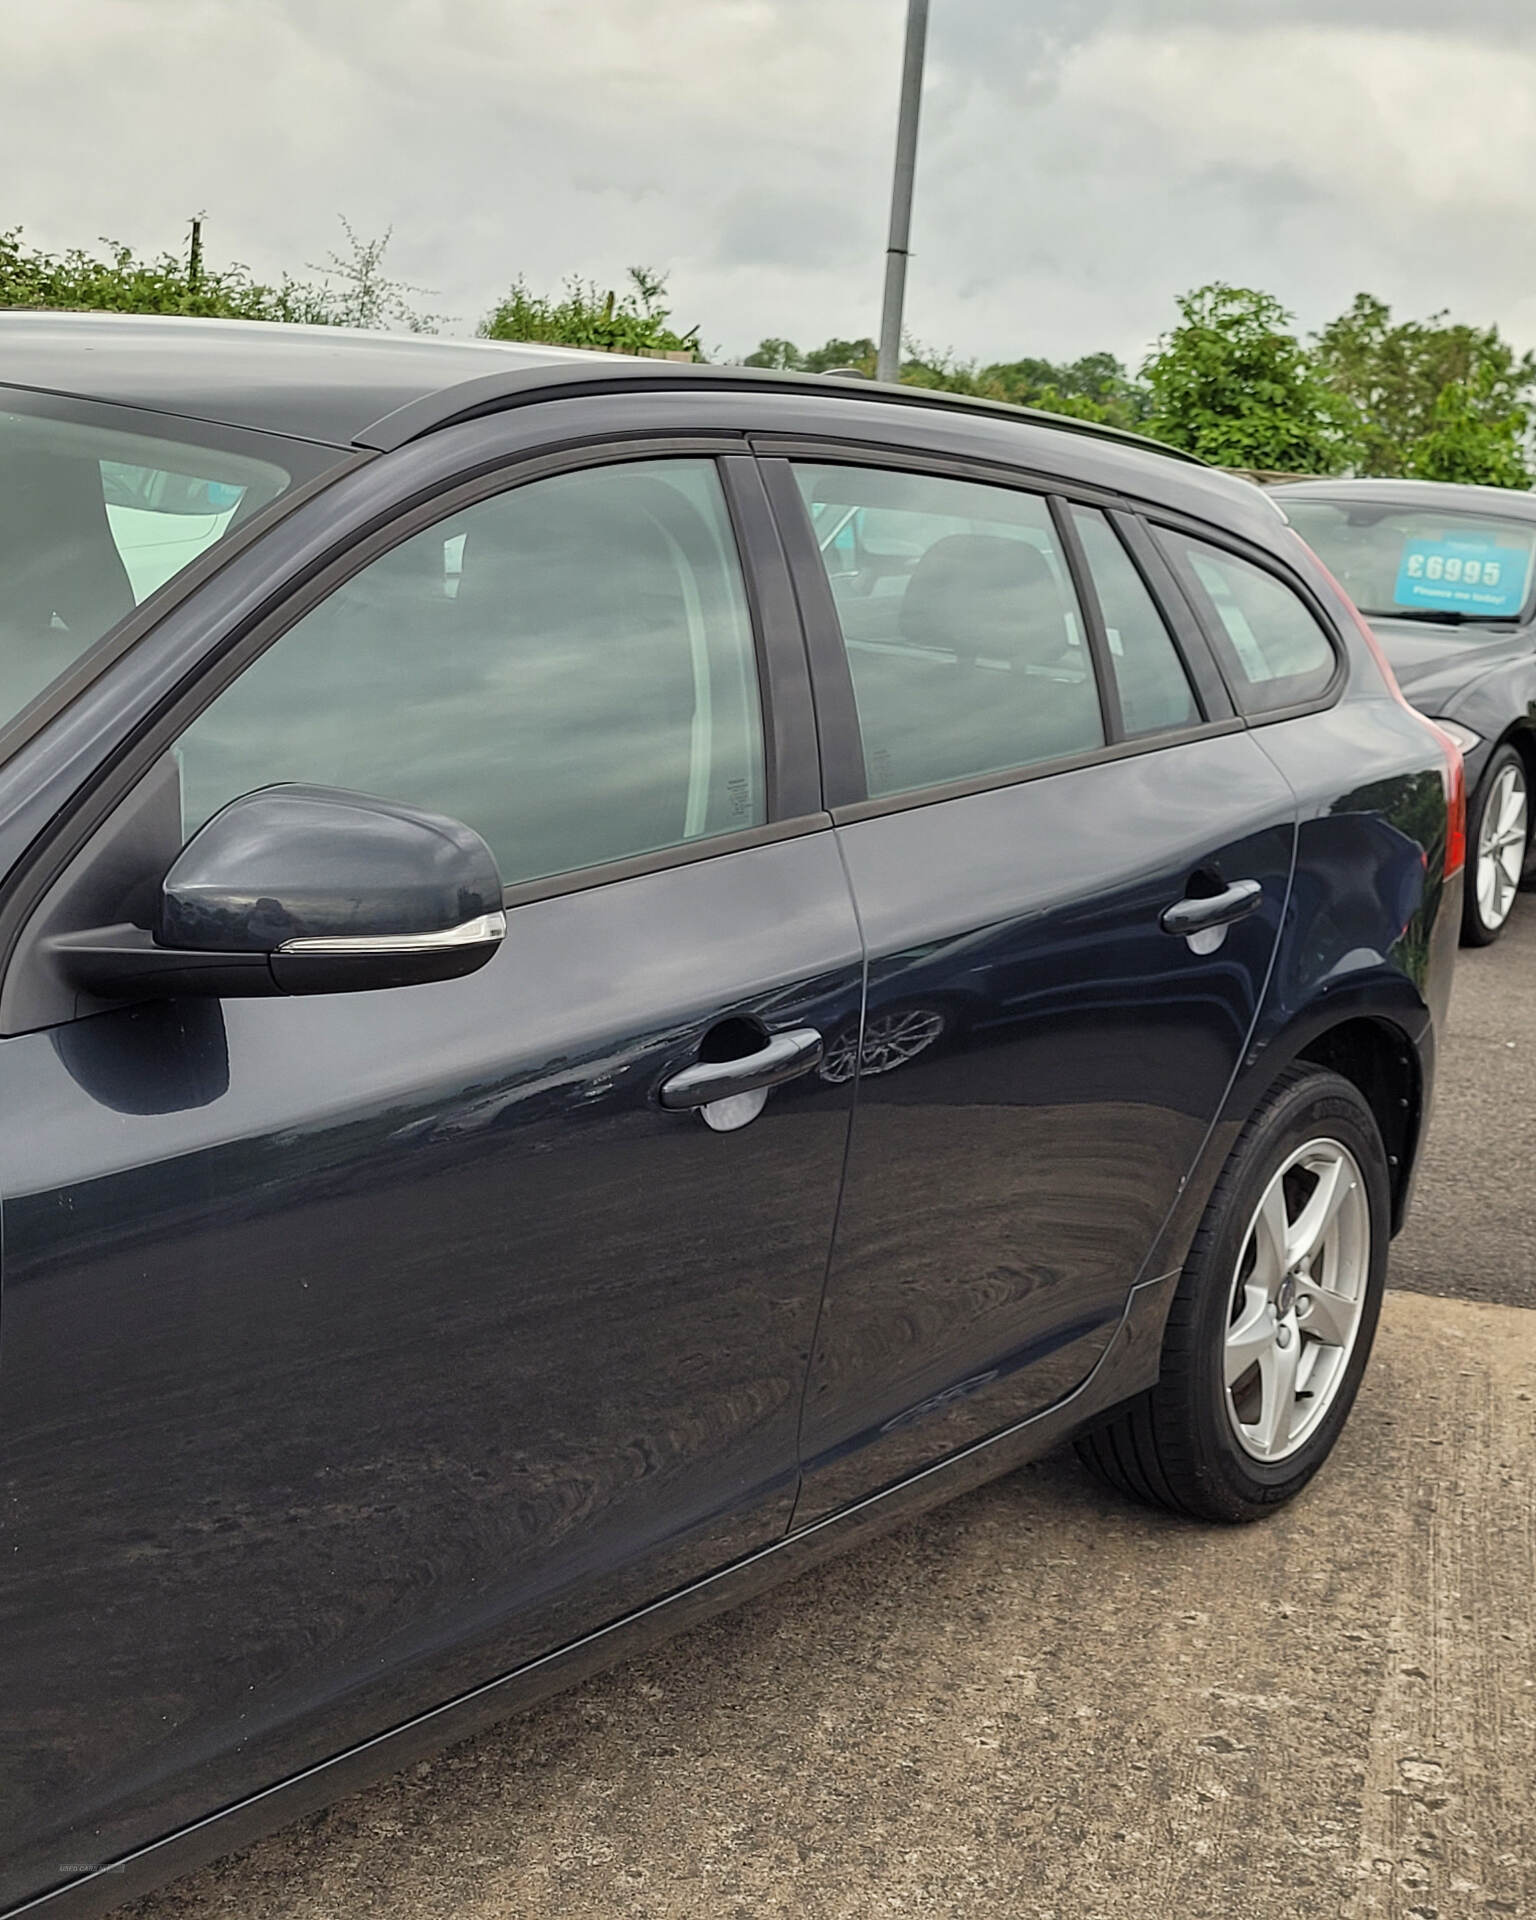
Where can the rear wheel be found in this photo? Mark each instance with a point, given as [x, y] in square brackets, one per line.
[1497, 834]
[1271, 1326]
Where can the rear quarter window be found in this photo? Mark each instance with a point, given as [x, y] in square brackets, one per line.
[1273, 649]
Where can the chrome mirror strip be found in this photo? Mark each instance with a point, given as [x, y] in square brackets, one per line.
[482, 931]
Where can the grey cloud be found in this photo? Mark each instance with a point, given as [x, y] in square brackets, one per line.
[1082, 161]
[802, 231]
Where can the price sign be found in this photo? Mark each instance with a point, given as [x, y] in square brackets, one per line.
[1472, 573]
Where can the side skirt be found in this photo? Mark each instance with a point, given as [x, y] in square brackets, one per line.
[1128, 1365]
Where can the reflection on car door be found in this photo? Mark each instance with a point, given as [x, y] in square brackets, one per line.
[361, 1348]
[1041, 1061]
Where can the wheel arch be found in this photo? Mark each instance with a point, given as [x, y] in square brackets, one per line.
[1519, 733]
[1378, 1058]
[1385, 1051]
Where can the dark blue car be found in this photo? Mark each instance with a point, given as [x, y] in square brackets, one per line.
[611, 975]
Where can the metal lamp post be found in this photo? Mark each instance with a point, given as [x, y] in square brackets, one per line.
[889, 362]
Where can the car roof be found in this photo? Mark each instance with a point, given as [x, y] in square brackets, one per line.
[348, 388]
[1442, 494]
[306, 383]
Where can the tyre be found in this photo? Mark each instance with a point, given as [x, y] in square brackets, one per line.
[1498, 832]
[1272, 1322]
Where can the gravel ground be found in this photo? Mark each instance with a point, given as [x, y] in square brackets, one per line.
[1040, 1702]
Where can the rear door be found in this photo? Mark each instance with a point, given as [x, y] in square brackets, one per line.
[363, 1347]
[1032, 763]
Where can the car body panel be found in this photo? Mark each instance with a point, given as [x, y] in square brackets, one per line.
[370, 1344]
[1129, 1365]
[1006, 1186]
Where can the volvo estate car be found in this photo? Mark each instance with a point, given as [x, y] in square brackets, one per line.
[1443, 573]
[613, 974]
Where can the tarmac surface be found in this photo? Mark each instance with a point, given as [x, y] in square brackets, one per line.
[1040, 1702]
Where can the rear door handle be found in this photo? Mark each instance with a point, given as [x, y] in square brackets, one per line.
[785, 1057]
[1216, 910]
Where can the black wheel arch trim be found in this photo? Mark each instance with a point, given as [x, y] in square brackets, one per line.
[1405, 1028]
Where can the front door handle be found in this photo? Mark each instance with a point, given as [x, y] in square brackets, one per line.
[785, 1056]
[1199, 915]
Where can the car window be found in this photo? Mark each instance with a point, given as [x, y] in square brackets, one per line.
[965, 642]
[568, 668]
[1155, 692]
[1275, 652]
[1393, 559]
[92, 521]
[162, 521]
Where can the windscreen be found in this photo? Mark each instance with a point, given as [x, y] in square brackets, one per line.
[92, 521]
[1421, 562]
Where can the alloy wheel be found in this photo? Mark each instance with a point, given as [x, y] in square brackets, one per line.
[1297, 1298]
[1501, 846]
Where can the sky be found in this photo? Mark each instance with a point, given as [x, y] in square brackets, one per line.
[1080, 163]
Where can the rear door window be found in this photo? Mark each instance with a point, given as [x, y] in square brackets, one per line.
[966, 645]
[1272, 646]
[1155, 692]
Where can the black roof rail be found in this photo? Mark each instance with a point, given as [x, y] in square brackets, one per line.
[493, 392]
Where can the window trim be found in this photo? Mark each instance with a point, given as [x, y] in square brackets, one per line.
[847, 814]
[1204, 610]
[1203, 706]
[843, 778]
[845, 790]
[1189, 636]
[1096, 631]
[778, 653]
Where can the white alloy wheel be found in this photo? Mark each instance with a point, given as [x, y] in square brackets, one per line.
[1501, 845]
[1297, 1299]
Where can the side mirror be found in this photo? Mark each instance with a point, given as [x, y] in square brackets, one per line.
[298, 889]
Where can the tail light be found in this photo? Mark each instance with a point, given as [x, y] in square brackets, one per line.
[1455, 767]
[1455, 802]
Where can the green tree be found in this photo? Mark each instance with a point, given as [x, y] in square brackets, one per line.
[1234, 385]
[856, 355]
[585, 315]
[780, 355]
[940, 371]
[1476, 435]
[831, 356]
[352, 291]
[355, 291]
[1096, 387]
[1093, 387]
[1392, 377]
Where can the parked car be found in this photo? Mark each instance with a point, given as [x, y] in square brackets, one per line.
[475, 1193]
[1443, 574]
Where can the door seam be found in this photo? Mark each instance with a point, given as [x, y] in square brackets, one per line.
[842, 1191]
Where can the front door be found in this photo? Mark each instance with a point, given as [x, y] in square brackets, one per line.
[360, 1348]
[1041, 1058]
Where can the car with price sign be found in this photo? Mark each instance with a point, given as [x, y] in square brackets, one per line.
[1444, 576]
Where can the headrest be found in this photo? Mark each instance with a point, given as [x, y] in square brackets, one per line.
[57, 554]
[984, 594]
